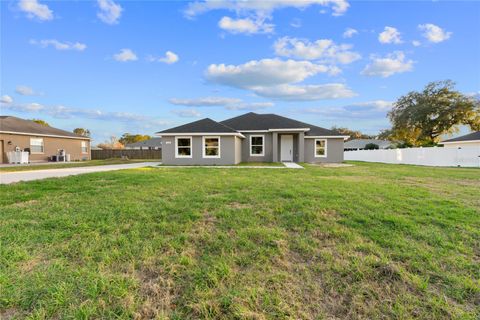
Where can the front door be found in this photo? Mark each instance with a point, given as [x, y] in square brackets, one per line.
[286, 149]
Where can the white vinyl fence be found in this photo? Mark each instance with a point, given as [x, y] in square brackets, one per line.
[434, 156]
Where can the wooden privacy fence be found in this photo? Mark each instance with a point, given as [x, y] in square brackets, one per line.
[130, 153]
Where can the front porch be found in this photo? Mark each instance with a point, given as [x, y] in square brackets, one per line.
[288, 146]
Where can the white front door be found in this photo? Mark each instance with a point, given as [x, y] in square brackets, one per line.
[286, 148]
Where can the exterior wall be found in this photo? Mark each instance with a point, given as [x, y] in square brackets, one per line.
[462, 144]
[227, 151]
[238, 150]
[50, 147]
[334, 150]
[267, 152]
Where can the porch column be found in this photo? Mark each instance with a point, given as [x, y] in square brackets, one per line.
[301, 147]
[275, 147]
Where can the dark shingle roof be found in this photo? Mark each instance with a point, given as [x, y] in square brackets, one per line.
[255, 121]
[204, 125]
[153, 143]
[14, 124]
[467, 137]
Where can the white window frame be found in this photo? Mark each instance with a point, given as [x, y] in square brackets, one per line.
[176, 147]
[263, 145]
[315, 148]
[84, 145]
[204, 147]
[43, 146]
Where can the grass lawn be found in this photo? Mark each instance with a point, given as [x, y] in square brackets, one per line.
[369, 241]
[54, 165]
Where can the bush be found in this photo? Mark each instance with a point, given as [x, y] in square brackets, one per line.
[371, 146]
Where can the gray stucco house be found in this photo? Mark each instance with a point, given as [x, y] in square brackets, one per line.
[250, 137]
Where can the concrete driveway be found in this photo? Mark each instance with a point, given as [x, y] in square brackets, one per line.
[11, 177]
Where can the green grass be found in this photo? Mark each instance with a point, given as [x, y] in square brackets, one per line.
[370, 241]
[68, 165]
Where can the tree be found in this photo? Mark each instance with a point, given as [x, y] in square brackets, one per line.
[353, 134]
[42, 122]
[113, 143]
[420, 118]
[371, 146]
[132, 138]
[82, 132]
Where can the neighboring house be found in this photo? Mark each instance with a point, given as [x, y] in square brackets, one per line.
[42, 142]
[469, 140]
[360, 144]
[150, 144]
[250, 137]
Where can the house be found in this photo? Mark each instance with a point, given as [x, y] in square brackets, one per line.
[150, 144]
[250, 137]
[360, 144]
[468, 140]
[41, 141]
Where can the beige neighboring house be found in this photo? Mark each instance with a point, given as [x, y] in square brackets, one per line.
[469, 140]
[42, 142]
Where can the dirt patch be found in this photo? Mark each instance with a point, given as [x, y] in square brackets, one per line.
[238, 205]
[331, 165]
[157, 291]
[24, 204]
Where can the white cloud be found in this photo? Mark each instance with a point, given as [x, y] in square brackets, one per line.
[434, 33]
[59, 45]
[323, 49]
[169, 58]
[296, 23]
[349, 32]
[110, 11]
[376, 109]
[25, 91]
[306, 92]
[262, 8]
[274, 78]
[252, 106]
[389, 65]
[416, 43]
[190, 113]
[228, 103]
[247, 25]
[204, 102]
[125, 55]
[63, 112]
[265, 72]
[35, 10]
[390, 35]
[5, 99]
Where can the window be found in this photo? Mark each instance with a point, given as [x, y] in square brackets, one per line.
[211, 147]
[183, 146]
[36, 145]
[320, 148]
[84, 147]
[256, 145]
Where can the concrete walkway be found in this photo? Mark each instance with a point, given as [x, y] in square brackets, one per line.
[11, 177]
[292, 165]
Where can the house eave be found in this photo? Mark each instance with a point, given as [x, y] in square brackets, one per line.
[326, 137]
[43, 135]
[236, 134]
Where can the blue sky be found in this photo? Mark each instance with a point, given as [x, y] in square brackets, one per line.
[142, 66]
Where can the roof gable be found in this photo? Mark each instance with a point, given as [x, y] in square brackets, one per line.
[22, 126]
[206, 125]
